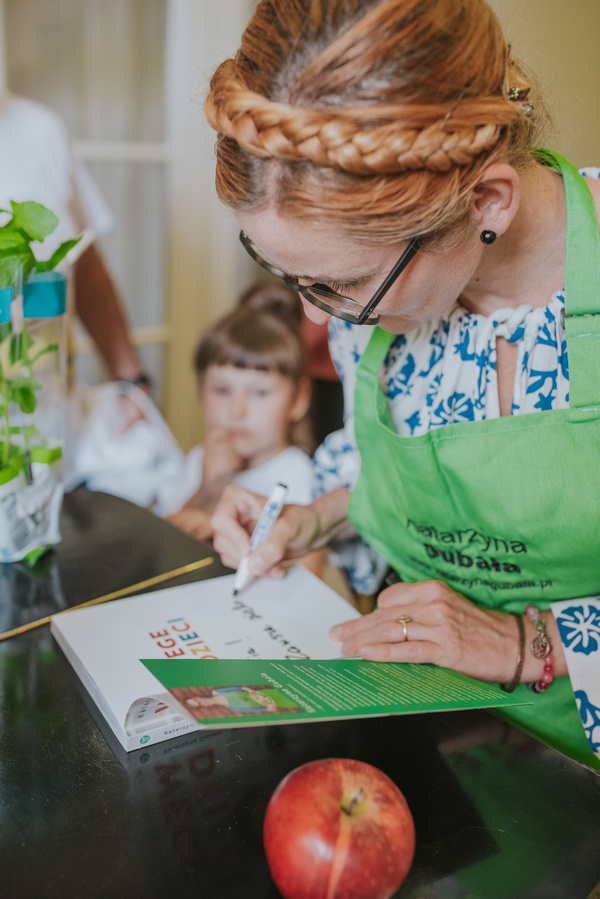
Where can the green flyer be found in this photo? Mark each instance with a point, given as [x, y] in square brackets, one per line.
[226, 692]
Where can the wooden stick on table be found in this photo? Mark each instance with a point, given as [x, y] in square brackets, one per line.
[117, 594]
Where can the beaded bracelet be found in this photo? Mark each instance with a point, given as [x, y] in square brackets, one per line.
[508, 688]
[542, 649]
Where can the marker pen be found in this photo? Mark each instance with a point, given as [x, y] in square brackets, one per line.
[264, 525]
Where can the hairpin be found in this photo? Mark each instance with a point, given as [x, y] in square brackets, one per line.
[520, 95]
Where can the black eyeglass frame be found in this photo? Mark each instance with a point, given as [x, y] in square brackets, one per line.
[318, 293]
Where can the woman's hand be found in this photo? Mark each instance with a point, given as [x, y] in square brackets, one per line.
[298, 530]
[444, 628]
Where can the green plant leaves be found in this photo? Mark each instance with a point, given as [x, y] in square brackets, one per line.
[26, 400]
[34, 219]
[13, 240]
[49, 348]
[30, 221]
[21, 390]
[14, 261]
[58, 255]
[19, 346]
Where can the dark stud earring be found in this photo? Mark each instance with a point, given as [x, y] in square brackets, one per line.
[488, 237]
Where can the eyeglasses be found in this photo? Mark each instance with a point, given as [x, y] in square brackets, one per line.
[329, 300]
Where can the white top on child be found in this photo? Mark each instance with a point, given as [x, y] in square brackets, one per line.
[291, 466]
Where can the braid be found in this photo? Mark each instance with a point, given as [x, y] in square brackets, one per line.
[342, 138]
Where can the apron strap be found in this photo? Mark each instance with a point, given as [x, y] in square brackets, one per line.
[582, 296]
[368, 385]
[582, 284]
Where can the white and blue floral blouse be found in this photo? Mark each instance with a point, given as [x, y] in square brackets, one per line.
[441, 373]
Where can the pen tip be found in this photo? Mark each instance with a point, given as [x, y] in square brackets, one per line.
[235, 592]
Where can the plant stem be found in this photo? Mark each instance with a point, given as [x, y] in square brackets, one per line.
[6, 442]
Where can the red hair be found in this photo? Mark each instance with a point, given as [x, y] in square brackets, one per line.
[373, 116]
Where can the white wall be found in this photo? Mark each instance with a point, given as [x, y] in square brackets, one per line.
[207, 267]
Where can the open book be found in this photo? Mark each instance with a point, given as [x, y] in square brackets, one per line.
[177, 660]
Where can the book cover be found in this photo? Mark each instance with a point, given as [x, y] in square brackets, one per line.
[271, 619]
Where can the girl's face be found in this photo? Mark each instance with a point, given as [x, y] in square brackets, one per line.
[426, 289]
[254, 409]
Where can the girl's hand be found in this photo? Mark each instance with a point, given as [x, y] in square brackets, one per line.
[220, 464]
[445, 629]
[220, 461]
[297, 531]
[195, 522]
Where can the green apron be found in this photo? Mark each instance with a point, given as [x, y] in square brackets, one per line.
[506, 511]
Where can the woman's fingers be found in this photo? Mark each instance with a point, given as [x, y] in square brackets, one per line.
[395, 599]
[430, 622]
[405, 593]
[348, 629]
[376, 630]
[290, 539]
[233, 521]
[266, 558]
[417, 653]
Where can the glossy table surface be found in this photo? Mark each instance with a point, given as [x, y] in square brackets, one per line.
[497, 815]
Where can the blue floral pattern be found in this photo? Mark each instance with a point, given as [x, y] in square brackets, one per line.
[579, 628]
[440, 373]
[590, 718]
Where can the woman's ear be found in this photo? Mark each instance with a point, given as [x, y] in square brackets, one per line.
[301, 402]
[495, 199]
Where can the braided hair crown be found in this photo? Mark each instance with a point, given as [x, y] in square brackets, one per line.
[389, 107]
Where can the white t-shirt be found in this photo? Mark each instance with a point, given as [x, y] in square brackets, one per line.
[292, 467]
[36, 163]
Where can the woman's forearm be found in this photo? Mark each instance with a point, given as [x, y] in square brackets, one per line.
[331, 512]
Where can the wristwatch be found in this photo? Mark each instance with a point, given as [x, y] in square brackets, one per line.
[141, 380]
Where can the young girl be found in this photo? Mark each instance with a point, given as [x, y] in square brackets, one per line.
[255, 394]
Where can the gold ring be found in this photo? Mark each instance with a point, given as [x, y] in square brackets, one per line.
[403, 620]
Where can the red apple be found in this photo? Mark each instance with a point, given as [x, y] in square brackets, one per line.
[338, 829]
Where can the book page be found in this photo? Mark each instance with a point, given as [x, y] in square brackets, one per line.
[203, 621]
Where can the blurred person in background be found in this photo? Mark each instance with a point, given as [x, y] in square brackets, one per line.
[36, 163]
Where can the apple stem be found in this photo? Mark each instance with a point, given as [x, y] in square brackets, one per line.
[356, 799]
